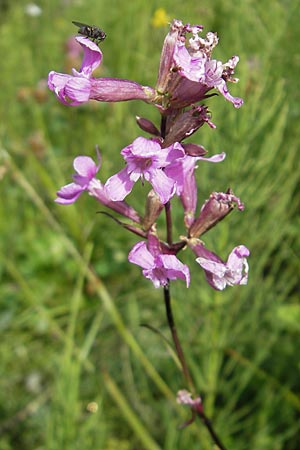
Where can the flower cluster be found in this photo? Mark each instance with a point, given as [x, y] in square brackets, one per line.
[163, 161]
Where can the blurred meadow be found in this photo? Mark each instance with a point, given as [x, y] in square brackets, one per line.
[78, 371]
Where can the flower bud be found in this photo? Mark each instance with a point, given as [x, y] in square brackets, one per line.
[147, 125]
[188, 196]
[218, 206]
[153, 209]
[194, 150]
[185, 124]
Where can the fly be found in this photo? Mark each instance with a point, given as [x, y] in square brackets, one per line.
[90, 31]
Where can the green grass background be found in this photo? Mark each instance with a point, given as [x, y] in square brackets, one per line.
[71, 304]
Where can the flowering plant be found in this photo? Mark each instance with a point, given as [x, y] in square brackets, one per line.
[166, 163]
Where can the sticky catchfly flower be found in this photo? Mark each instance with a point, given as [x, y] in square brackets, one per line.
[145, 159]
[86, 171]
[220, 274]
[157, 266]
[84, 180]
[183, 172]
[187, 72]
[80, 87]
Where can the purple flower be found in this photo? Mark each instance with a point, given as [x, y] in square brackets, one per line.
[188, 72]
[86, 170]
[182, 171]
[184, 397]
[145, 159]
[218, 273]
[80, 86]
[158, 267]
[84, 180]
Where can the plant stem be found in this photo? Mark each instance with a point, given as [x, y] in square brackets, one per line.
[175, 337]
[163, 124]
[186, 373]
[211, 430]
[168, 222]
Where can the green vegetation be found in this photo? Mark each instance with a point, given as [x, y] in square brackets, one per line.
[71, 305]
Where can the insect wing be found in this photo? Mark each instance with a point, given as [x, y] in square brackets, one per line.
[79, 24]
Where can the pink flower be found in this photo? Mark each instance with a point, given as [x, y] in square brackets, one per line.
[183, 172]
[145, 159]
[184, 397]
[85, 180]
[187, 72]
[218, 273]
[80, 86]
[158, 267]
[86, 171]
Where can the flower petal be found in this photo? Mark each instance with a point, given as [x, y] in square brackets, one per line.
[119, 185]
[215, 158]
[92, 55]
[85, 166]
[237, 265]
[175, 268]
[141, 256]
[163, 186]
[78, 90]
[223, 89]
[68, 194]
[56, 83]
[144, 148]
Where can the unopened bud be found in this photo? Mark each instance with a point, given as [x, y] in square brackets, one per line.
[147, 125]
[194, 149]
[218, 206]
[185, 124]
[153, 209]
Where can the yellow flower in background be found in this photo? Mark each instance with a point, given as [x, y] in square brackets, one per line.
[160, 18]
